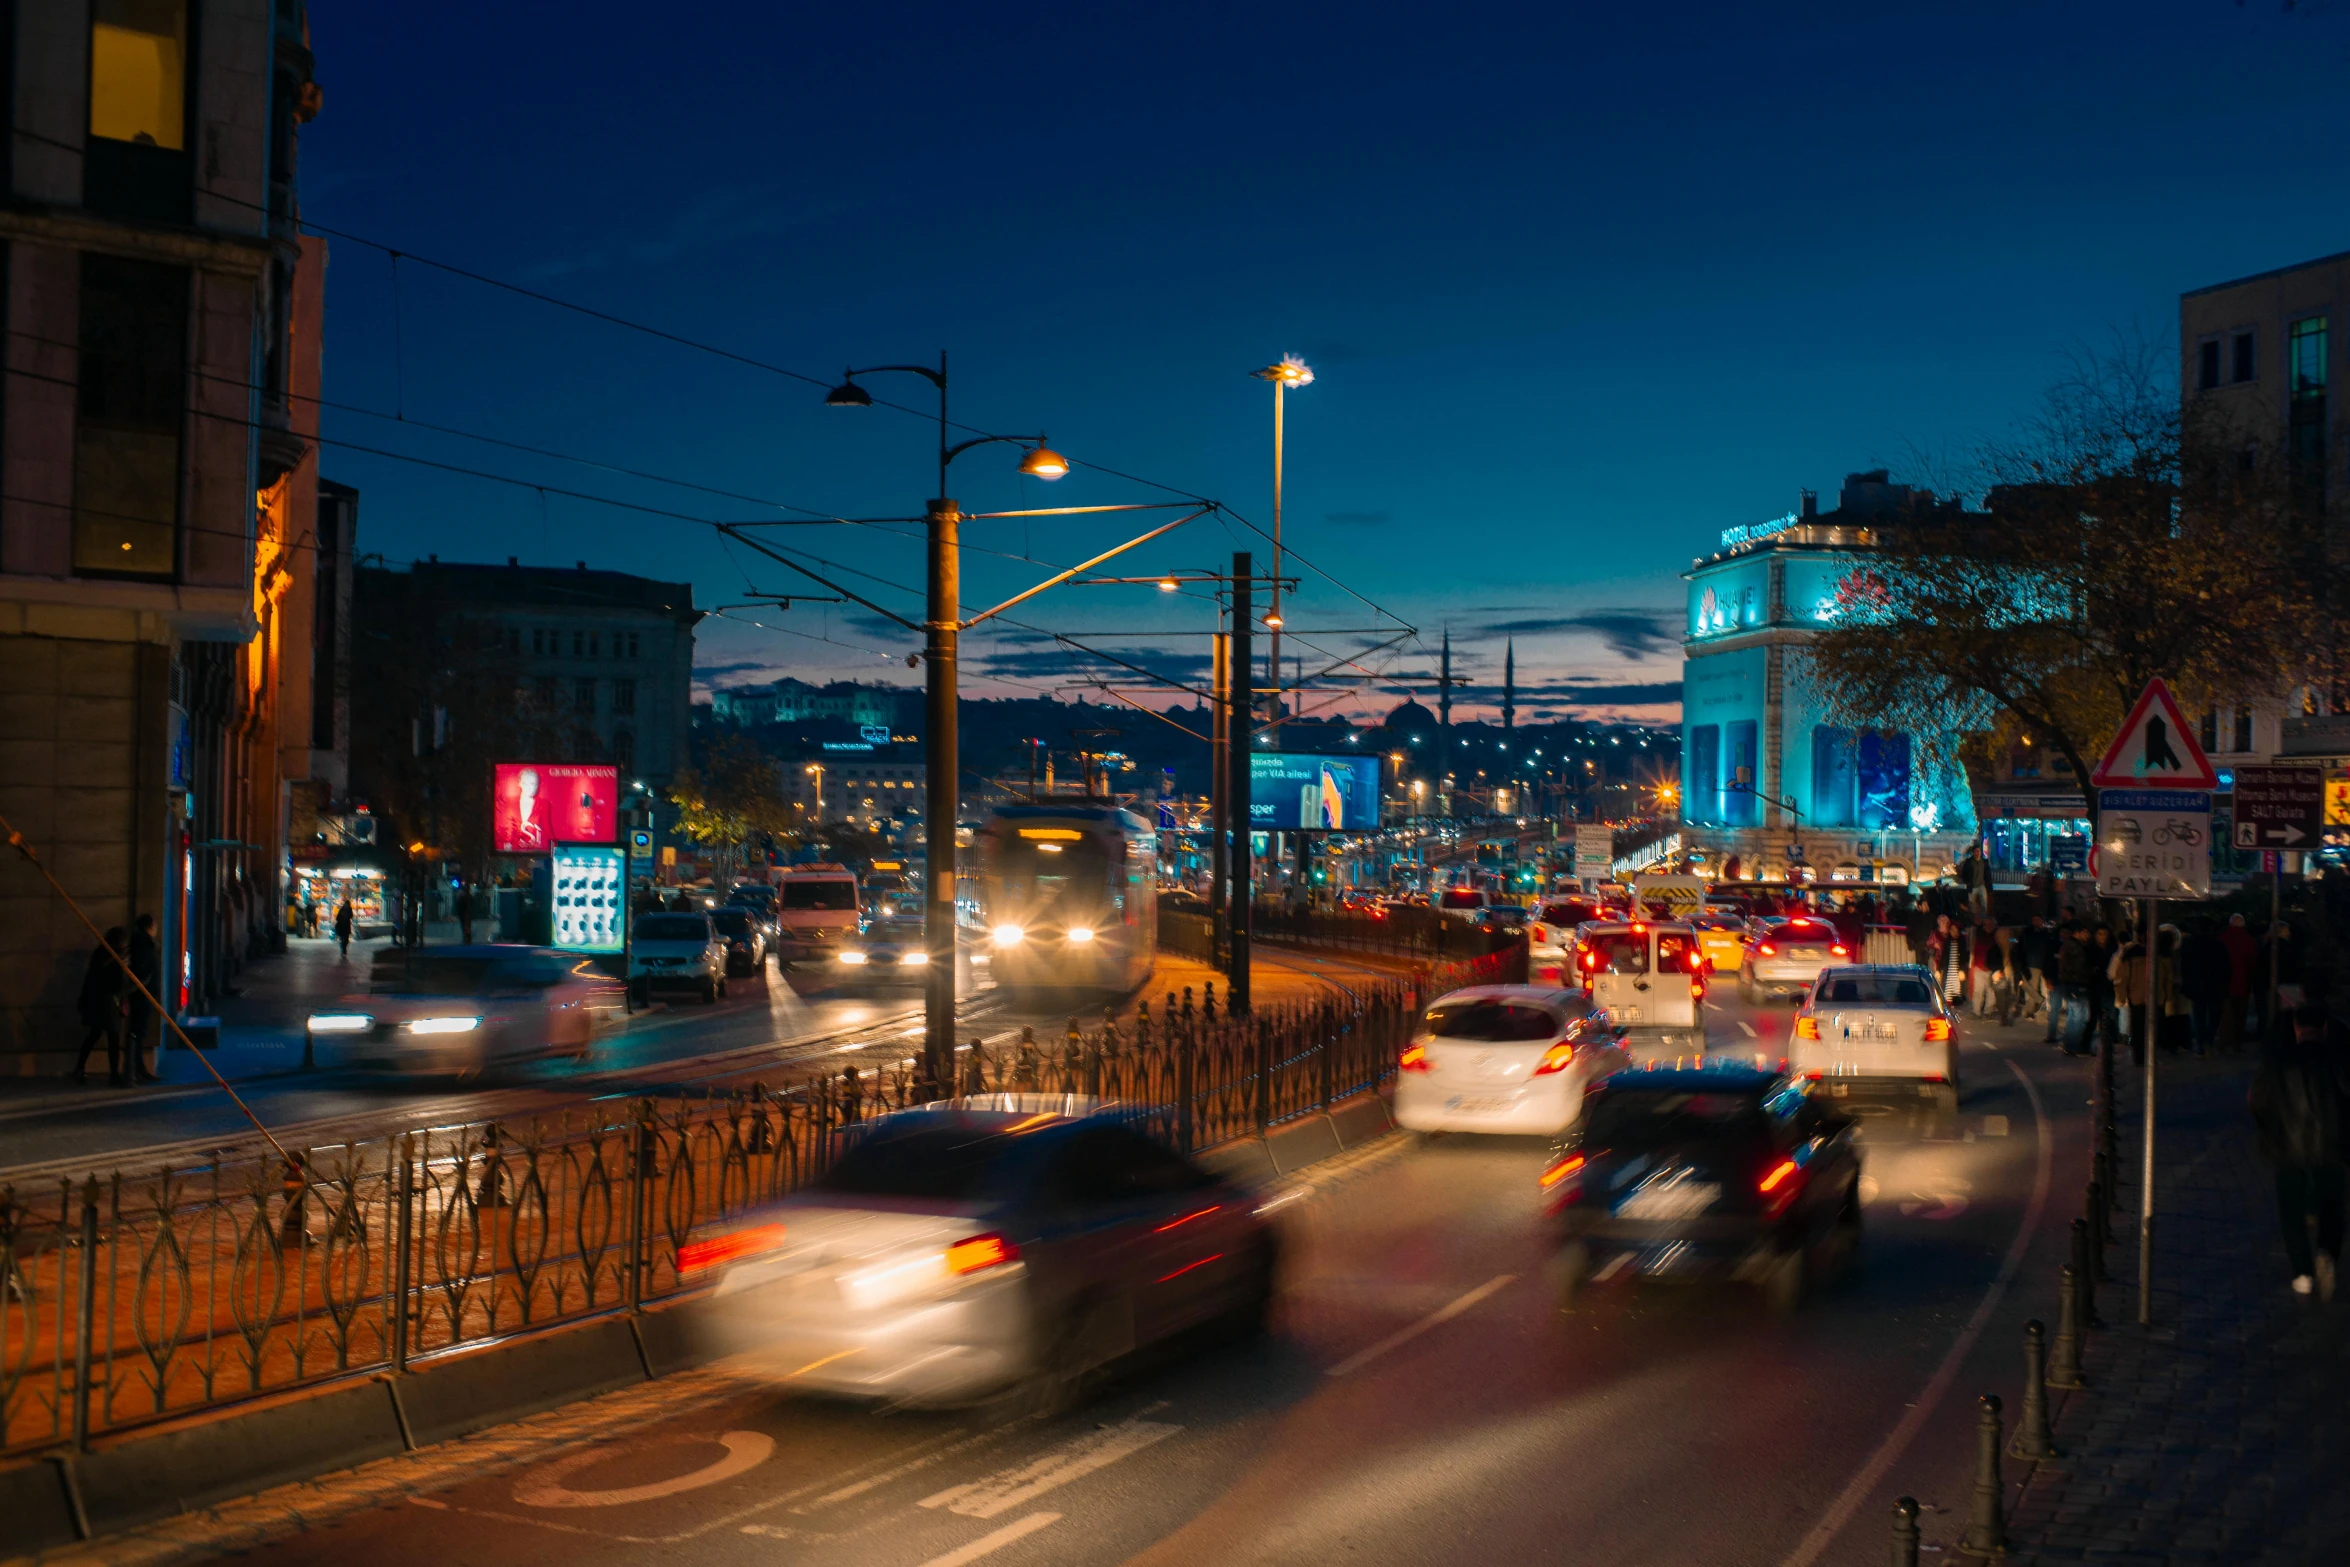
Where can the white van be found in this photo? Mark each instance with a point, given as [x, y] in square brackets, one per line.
[816, 906]
[1648, 977]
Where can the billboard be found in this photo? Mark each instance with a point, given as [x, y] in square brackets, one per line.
[586, 914]
[537, 805]
[1288, 791]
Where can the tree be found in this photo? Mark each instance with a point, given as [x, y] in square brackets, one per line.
[733, 797]
[2113, 548]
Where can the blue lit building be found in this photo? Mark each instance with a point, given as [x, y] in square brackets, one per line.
[1768, 776]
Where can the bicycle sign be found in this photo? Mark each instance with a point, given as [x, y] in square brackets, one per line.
[2153, 843]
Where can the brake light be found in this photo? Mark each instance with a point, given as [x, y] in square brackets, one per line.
[1807, 1028]
[1767, 950]
[1560, 1169]
[1937, 1031]
[1838, 952]
[1415, 1058]
[1696, 961]
[1697, 990]
[1555, 1059]
[980, 1252]
[1779, 1173]
[715, 1251]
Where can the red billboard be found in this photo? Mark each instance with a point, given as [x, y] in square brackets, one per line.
[538, 805]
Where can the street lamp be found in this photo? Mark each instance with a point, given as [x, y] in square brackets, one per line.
[815, 770]
[1291, 371]
[941, 631]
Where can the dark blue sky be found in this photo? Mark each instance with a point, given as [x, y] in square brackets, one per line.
[1581, 285]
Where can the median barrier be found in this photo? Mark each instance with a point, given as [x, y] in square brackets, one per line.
[1361, 1121]
[472, 1392]
[1301, 1142]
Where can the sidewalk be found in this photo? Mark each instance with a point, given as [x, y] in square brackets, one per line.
[2221, 1434]
[1269, 983]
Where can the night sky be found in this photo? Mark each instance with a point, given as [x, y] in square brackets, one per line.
[1582, 286]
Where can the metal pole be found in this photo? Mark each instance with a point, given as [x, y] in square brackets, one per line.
[1238, 745]
[403, 1259]
[1219, 792]
[2146, 1135]
[85, 1315]
[627, 915]
[1273, 646]
[939, 806]
[2276, 882]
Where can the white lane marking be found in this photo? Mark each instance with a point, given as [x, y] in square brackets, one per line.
[1434, 1319]
[860, 1487]
[745, 1451]
[1749, 1028]
[1006, 1489]
[987, 1544]
[1897, 1440]
[1933, 1205]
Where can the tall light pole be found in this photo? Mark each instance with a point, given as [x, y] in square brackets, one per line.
[941, 627]
[1291, 371]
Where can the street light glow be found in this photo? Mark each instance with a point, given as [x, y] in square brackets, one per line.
[1291, 371]
[1042, 462]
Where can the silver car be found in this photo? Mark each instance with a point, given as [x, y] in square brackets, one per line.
[461, 1010]
[996, 1243]
[676, 950]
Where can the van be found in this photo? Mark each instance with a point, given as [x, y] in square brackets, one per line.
[815, 906]
[1648, 977]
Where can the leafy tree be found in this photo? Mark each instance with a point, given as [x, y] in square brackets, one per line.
[731, 798]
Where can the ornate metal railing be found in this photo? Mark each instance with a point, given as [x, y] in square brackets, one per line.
[132, 1298]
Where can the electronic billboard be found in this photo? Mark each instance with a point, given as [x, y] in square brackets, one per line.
[1290, 792]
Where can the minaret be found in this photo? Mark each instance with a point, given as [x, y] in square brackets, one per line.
[1509, 686]
[1444, 694]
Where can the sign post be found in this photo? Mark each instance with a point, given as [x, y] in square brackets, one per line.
[2153, 842]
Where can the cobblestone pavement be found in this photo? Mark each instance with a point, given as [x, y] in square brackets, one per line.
[2222, 1433]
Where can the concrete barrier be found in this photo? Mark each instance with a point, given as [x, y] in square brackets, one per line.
[489, 1387]
[1247, 1161]
[36, 1511]
[1358, 1121]
[1301, 1142]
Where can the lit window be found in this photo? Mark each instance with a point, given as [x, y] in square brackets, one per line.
[2307, 357]
[139, 71]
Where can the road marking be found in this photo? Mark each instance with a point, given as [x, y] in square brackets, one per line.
[1434, 1319]
[860, 1487]
[1995, 1126]
[1897, 1441]
[745, 1451]
[987, 1544]
[1749, 1029]
[1006, 1489]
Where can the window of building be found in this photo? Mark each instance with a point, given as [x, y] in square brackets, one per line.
[2307, 357]
[579, 644]
[514, 639]
[595, 644]
[2210, 735]
[624, 750]
[2207, 364]
[139, 72]
[1740, 772]
[584, 693]
[134, 328]
[2246, 366]
[2243, 729]
[1834, 780]
[617, 636]
[624, 697]
[544, 689]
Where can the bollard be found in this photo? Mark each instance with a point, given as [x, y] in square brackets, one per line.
[2064, 1367]
[2032, 1438]
[2086, 1272]
[2100, 1235]
[1905, 1532]
[1986, 1525]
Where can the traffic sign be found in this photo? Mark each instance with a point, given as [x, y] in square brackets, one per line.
[2153, 843]
[1794, 852]
[2279, 807]
[2155, 749]
[2068, 854]
[1595, 849]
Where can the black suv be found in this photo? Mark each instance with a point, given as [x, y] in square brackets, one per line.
[1708, 1172]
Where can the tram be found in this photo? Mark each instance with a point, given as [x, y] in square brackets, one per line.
[1071, 894]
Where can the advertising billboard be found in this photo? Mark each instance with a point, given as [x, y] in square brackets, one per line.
[537, 805]
[1288, 792]
[588, 898]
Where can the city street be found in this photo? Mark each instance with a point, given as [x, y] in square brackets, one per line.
[1421, 1398]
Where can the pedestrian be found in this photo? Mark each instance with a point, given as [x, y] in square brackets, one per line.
[1949, 949]
[343, 922]
[2173, 1020]
[101, 1008]
[146, 959]
[2243, 964]
[2071, 995]
[1985, 958]
[2284, 960]
[465, 915]
[1920, 927]
[2104, 1025]
[2298, 1100]
[2205, 971]
[2034, 952]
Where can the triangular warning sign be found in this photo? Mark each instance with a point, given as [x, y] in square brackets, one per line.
[2155, 749]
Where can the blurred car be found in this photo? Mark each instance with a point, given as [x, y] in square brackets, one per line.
[1550, 938]
[464, 1009]
[1646, 976]
[1504, 1058]
[884, 953]
[1783, 956]
[1722, 938]
[955, 1252]
[1715, 1172]
[745, 936]
[676, 950]
[1877, 1031]
[759, 898]
[1507, 918]
[1462, 900]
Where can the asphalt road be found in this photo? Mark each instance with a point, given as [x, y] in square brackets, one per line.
[1421, 1399]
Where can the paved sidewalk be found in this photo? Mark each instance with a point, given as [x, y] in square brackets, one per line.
[2222, 1434]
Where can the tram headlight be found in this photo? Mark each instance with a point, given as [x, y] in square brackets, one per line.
[1008, 935]
[1081, 933]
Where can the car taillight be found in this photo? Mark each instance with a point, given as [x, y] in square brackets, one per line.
[1415, 1058]
[980, 1252]
[1559, 1169]
[1838, 952]
[1767, 950]
[1556, 1059]
[1779, 1185]
[1807, 1028]
[1697, 990]
[715, 1251]
[1696, 962]
[1937, 1031]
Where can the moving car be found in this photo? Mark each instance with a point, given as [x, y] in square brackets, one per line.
[673, 950]
[886, 953]
[815, 906]
[957, 1251]
[1461, 900]
[745, 937]
[1507, 918]
[1783, 957]
[1504, 1058]
[1647, 977]
[1550, 936]
[464, 1009]
[1711, 1172]
[1722, 938]
[1877, 1031]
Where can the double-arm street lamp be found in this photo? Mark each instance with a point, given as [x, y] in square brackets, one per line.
[1291, 371]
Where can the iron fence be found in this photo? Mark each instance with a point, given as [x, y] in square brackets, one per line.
[132, 1298]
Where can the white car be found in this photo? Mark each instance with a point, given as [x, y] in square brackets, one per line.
[1877, 1031]
[676, 950]
[1550, 938]
[463, 1010]
[1784, 956]
[1504, 1058]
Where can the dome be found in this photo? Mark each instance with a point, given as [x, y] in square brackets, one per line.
[1410, 720]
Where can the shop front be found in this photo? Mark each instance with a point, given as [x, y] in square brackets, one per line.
[323, 877]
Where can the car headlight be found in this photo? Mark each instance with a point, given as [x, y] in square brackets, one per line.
[1008, 935]
[1081, 933]
[848, 956]
[443, 1025]
[340, 1023]
[913, 957]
